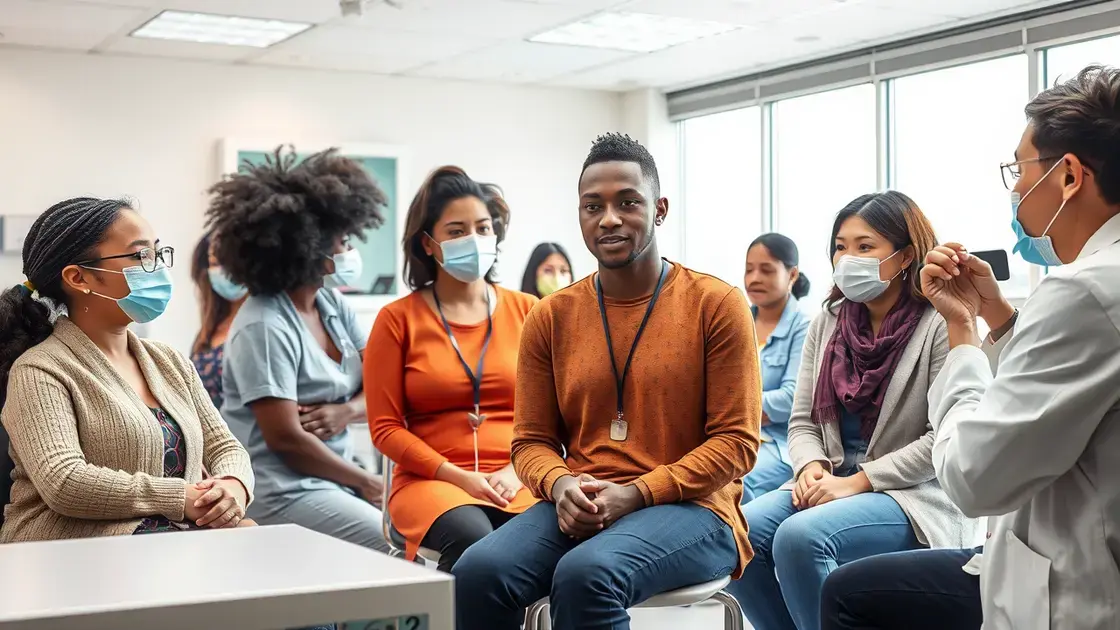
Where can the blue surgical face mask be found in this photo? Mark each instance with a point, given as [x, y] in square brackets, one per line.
[148, 293]
[469, 257]
[347, 270]
[1037, 250]
[223, 286]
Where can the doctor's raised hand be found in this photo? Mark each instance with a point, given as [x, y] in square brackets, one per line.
[962, 287]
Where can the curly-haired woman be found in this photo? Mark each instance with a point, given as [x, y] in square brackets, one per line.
[292, 372]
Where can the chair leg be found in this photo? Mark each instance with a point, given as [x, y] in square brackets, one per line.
[534, 615]
[733, 612]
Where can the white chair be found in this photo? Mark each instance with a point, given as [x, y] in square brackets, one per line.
[392, 536]
[536, 616]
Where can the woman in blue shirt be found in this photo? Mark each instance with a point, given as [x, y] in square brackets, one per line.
[774, 286]
[292, 372]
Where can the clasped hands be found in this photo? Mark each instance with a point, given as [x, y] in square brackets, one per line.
[816, 486]
[585, 505]
[962, 287]
[215, 503]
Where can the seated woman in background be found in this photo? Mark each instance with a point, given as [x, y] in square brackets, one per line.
[774, 286]
[292, 373]
[859, 433]
[440, 392]
[218, 301]
[109, 433]
[548, 271]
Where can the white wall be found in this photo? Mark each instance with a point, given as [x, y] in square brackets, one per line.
[645, 117]
[105, 126]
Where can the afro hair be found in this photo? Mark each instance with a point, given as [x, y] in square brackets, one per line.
[279, 221]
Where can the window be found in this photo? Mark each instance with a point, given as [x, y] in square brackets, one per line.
[1063, 62]
[722, 191]
[951, 130]
[824, 156]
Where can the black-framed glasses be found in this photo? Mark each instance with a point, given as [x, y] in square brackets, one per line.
[1012, 171]
[149, 258]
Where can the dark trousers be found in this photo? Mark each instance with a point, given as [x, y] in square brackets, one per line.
[592, 582]
[910, 590]
[459, 528]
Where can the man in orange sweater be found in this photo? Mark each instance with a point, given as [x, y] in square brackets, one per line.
[646, 375]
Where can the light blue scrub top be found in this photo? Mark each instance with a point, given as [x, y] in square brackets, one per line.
[270, 353]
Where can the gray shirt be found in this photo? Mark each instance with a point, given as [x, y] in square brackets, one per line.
[898, 458]
[270, 353]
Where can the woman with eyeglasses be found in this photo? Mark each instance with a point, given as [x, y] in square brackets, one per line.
[219, 298]
[441, 389]
[292, 371]
[109, 433]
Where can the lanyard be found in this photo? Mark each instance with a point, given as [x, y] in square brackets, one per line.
[476, 375]
[619, 425]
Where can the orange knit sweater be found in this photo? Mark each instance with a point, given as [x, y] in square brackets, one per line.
[692, 401]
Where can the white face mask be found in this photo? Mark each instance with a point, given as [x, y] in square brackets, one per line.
[858, 278]
[347, 270]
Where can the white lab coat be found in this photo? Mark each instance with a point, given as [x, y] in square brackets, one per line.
[1036, 448]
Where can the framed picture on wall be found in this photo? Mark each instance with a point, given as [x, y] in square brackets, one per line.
[381, 280]
[13, 230]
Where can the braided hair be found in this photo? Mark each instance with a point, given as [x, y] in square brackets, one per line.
[66, 233]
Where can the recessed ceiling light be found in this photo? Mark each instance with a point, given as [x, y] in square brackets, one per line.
[218, 29]
[636, 32]
[807, 39]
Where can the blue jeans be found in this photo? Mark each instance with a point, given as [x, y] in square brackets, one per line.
[796, 550]
[592, 582]
[771, 469]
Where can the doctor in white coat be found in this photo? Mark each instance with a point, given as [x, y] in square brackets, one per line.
[1036, 447]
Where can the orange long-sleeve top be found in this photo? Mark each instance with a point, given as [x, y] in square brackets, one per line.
[693, 396]
[418, 397]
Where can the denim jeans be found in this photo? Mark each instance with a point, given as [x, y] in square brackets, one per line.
[771, 469]
[924, 589]
[592, 582]
[796, 550]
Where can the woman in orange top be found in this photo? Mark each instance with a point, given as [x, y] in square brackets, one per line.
[448, 431]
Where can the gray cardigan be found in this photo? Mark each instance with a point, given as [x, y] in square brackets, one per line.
[899, 455]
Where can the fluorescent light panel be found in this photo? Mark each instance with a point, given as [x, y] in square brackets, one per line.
[636, 32]
[206, 28]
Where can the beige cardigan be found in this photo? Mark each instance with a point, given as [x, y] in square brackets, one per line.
[88, 452]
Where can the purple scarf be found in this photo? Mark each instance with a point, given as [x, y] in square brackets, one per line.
[857, 366]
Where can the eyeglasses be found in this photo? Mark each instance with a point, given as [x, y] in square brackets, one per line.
[1012, 171]
[149, 258]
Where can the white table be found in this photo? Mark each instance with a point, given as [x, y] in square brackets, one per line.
[250, 578]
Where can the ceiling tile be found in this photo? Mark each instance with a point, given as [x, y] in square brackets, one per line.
[368, 49]
[63, 24]
[973, 9]
[313, 11]
[744, 12]
[864, 21]
[178, 50]
[734, 53]
[520, 62]
[504, 19]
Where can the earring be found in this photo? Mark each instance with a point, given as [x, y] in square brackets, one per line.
[657, 221]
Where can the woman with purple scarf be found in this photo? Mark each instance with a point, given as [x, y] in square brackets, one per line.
[860, 440]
